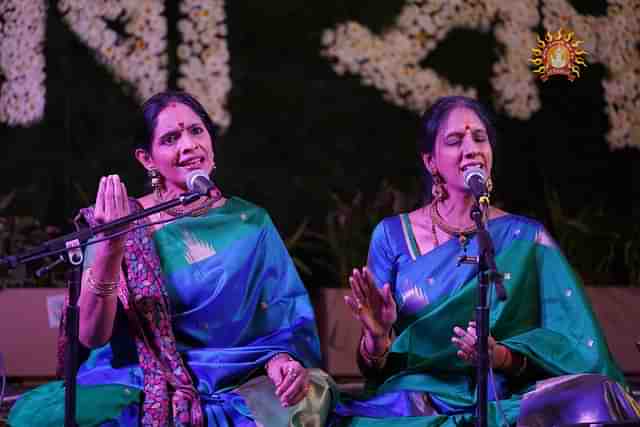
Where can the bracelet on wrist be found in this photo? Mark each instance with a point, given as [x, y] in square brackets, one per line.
[103, 288]
[373, 359]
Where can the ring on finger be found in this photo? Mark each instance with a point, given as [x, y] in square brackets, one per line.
[292, 373]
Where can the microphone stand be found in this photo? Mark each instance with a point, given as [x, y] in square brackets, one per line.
[69, 248]
[487, 274]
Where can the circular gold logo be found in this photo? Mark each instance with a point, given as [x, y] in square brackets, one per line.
[558, 54]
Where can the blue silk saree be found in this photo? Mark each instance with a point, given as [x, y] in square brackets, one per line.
[546, 318]
[236, 300]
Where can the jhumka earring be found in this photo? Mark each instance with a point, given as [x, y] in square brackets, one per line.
[156, 182]
[489, 184]
[437, 189]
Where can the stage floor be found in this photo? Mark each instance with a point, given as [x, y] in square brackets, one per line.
[350, 385]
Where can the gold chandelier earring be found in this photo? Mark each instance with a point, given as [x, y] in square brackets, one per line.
[438, 191]
[157, 182]
[489, 184]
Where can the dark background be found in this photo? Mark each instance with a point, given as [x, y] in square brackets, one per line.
[299, 131]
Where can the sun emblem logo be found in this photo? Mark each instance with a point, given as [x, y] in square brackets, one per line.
[558, 54]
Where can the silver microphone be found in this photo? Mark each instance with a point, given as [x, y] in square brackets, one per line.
[476, 180]
[198, 181]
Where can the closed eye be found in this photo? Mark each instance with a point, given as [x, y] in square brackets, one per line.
[454, 138]
[480, 136]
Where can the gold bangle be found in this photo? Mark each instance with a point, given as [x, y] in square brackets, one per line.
[102, 289]
[370, 358]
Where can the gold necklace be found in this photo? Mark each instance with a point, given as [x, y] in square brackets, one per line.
[200, 207]
[462, 234]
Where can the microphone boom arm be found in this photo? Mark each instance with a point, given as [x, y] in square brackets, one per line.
[72, 244]
[59, 245]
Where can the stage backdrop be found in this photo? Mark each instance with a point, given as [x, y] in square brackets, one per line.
[320, 97]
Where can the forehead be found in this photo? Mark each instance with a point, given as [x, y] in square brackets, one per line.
[175, 115]
[461, 118]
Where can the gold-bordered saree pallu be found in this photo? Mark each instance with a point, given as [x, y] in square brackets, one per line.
[546, 318]
[233, 299]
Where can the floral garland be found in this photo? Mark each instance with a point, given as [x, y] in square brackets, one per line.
[513, 81]
[391, 62]
[22, 90]
[612, 41]
[204, 56]
[137, 57]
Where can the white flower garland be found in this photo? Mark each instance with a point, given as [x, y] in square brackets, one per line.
[611, 40]
[138, 57]
[204, 56]
[513, 80]
[391, 62]
[22, 90]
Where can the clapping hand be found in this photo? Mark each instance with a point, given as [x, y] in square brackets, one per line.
[374, 308]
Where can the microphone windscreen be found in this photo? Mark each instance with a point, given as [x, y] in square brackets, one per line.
[474, 172]
[199, 181]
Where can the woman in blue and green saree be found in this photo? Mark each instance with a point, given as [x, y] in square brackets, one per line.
[198, 319]
[550, 364]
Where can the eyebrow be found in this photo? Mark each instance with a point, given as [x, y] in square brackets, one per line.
[179, 130]
[169, 133]
[458, 132]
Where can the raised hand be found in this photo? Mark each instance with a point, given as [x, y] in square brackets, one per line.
[98, 297]
[290, 378]
[112, 201]
[374, 308]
